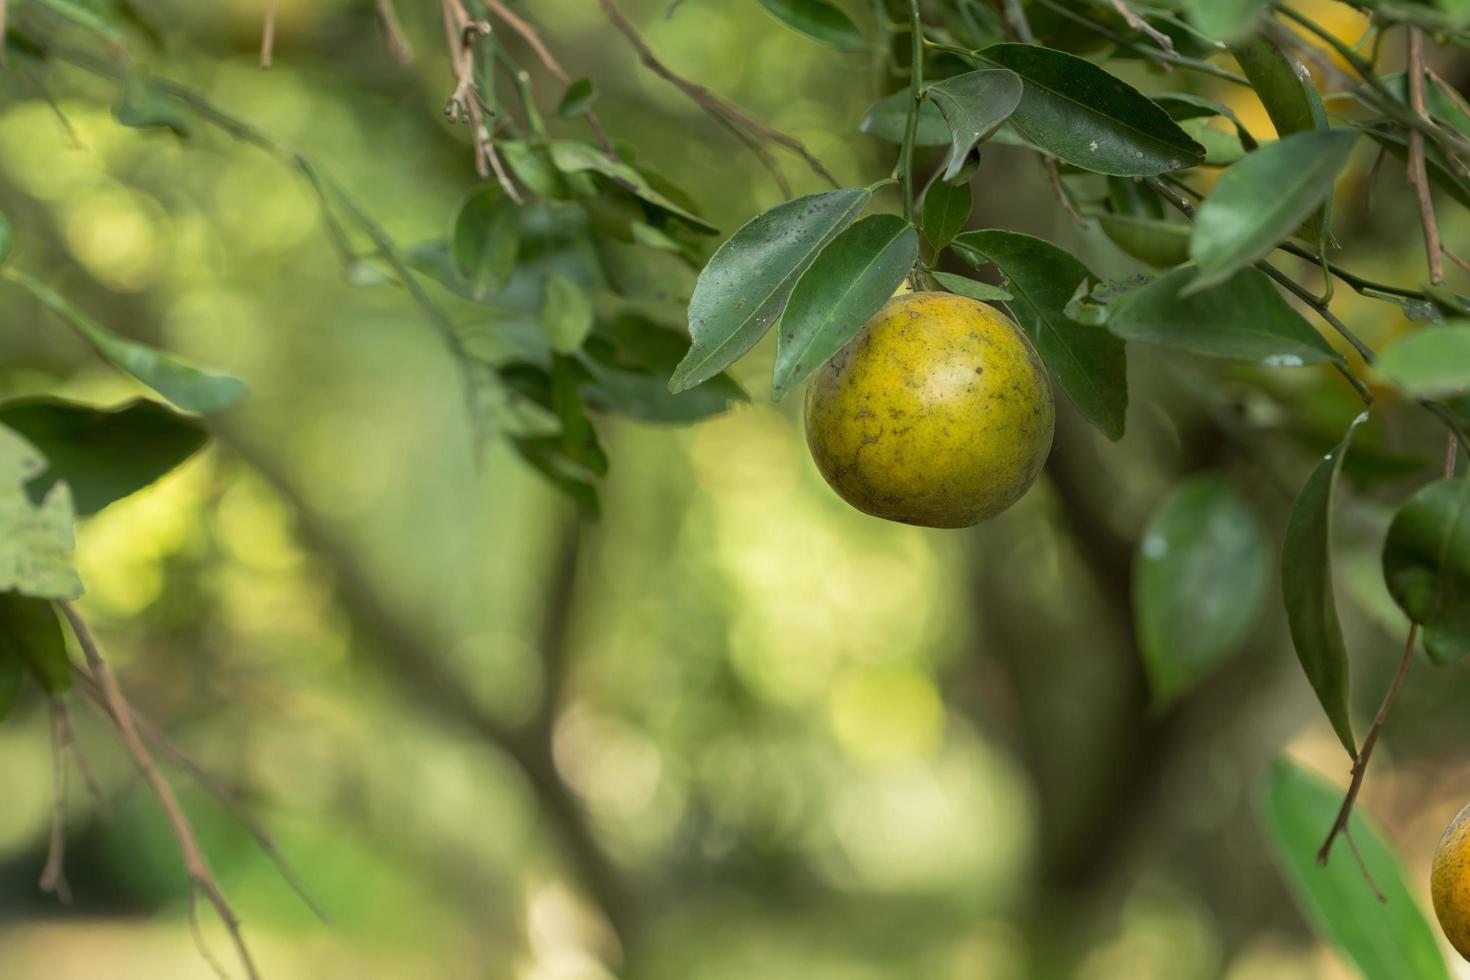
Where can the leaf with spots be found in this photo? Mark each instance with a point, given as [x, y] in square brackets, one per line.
[1088, 362]
[746, 284]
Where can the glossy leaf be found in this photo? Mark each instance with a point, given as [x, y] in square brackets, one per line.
[887, 118]
[566, 313]
[578, 100]
[103, 455]
[839, 293]
[1260, 201]
[974, 104]
[1386, 940]
[946, 211]
[484, 240]
[1426, 562]
[1152, 240]
[1432, 362]
[1199, 581]
[965, 286]
[571, 157]
[821, 20]
[36, 540]
[189, 388]
[744, 287]
[1244, 318]
[1306, 584]
[30, 632]
[1088, 362]
[1091, 119]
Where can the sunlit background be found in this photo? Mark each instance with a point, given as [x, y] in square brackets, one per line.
[807, 744]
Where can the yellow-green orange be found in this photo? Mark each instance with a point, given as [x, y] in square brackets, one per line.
[1449, 883]
[939, 413]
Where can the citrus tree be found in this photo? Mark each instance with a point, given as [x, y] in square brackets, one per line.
[613, 295]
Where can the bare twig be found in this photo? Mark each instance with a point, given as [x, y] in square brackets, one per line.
[398, 47]
[464, 102]
[268, 34]
[1347, 834]
[1144, 27]
[533, 38]
[1417, 175]
[195, 863]
[211, 784]
[1458, 260]
[53, 876]
[725, 111]
[1061, 191]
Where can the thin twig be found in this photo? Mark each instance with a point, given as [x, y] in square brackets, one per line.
[533, 38]
[268, 34]
[1347, 834]
[212, 784]
[1458, 260]
[1015, 16]
[393, 36]
[1417, 175]
[53, 876]
[707, 100]
[1144, 27]
[195, 863]
[465, 103]
[1060, 189]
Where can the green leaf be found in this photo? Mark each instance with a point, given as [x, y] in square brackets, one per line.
[566, 313]
[1386, 940]
[187, 387]
[1152, 240]
[745, 286]
[7, 238]
[1088, 362]
[1431, 362]
[1244, 318]
[1185, 105]
[580, 96]
[485, 239]
[1426, 562]
[1441, 174]
[1199, 580]
[1221, 148]
[629, 360]
[821, 20]
[852, 278]
[36, 540]
[142, 106]
[1091, 119]
[572, 158]
[546, 457]
[1225, 20]
[974, 104]
[103, 455]
[1260, 201]
[1306, 585]
[578, 438]
[30, 632]
[12, 673]
[946, 211]
[965, 286]
[887, 118]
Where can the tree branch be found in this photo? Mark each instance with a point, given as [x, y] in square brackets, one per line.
[1417, 175]
[268, 34]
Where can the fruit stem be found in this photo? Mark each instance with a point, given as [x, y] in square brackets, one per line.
[916, 95]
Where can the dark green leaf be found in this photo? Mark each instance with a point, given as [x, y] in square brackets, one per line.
[12, 673]
[1184, 105]
[1306, 584]
[965, 286]
[566, 313]
[974, 104]
[572, 158]
[30, 631]
[1244, 318]
[946, 212]
[36, 540]
[1090, 118]
[546, 457]
[578, 100]
[1088, 362]
[1431, 362]
[629, 360]
[578, 438]
[1386, 940]
[1130, 197]
[1426, 562]
[102, 454]
[821, 20]
[1199, 579]
[1261, 200]
[746, 284]
[1152, 240]
[142, 106]
[187, 387]
[888, 117]
[485, 239]
[839, 292]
